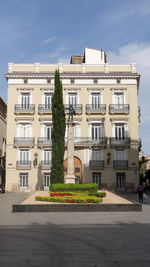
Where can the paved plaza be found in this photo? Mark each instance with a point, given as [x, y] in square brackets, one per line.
[96, 239]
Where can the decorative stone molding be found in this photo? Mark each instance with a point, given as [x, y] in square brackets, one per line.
[45, 119]
[119, 120]
[25, 89]
[47, 89]
[23, 119]
[95, 120]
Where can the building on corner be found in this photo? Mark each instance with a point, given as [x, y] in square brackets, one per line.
[106, 132]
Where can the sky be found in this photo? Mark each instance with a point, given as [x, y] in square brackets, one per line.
[50, 31]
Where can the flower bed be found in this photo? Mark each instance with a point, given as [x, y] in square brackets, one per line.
[60, 194]
[73, 197]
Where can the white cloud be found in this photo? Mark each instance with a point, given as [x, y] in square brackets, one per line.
[57, 55]
[49, 40]
[138, 53]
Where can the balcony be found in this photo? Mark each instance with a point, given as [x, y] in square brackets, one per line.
[88, 141]
[96, 164]
[120, 164]
[77, 107]
[23, 165]
[44, 142]
[44, 109]
[24, 109]
[45, 165]
[119, 108]
[96, 109]
[124, 142]
[23, 142]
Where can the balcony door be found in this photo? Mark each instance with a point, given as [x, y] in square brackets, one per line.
[47, 101]
[95, 101]
[25, 100]
[97, 154]
[97, 131]
[72, 99]
[24, 130]
[119, 100]
[119, 131]
[120, 155]
[24, 156]
[47, 131]
[47, 156]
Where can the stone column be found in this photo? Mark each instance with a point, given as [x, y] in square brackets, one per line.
[70, 177]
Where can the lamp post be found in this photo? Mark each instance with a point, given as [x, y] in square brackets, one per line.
[108, 157]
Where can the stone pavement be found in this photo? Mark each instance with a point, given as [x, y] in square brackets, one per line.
[113, 239]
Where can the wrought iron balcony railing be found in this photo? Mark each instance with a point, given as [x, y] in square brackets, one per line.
[23, 165]
[44, 142]
[99, 108]
[24, 109]
[44, 109]
[77, 107]
[96, 164]
[23, 141]
[119, 108]
[120, 163]
[45, 165]
[120, 142]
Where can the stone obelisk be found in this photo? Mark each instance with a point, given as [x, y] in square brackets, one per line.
[70, 177]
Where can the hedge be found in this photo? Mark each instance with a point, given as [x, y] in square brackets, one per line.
[98, 194]
[85, 199]
[74, 187]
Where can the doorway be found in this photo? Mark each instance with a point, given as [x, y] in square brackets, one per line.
[77, 169]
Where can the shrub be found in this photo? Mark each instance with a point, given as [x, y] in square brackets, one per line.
[74, 188]
[98, 194]
[71, 199]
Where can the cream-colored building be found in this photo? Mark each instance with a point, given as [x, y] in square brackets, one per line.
[3, 111]
[106, 132]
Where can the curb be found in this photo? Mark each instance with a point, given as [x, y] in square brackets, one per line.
[77, 207]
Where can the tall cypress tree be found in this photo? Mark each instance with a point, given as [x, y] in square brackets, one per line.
[58, 132]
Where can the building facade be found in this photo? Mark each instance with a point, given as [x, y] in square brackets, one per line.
[3, 111]
[106, 131]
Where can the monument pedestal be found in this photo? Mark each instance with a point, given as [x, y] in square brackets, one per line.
[70, 177]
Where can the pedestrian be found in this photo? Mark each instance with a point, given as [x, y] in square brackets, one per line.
[140, 190]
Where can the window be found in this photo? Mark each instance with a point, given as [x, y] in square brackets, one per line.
[24, 156]
[46, 181]
[47, 156]
[120, 155]
[119, 131]
[72, 99]
[97, 178]
[96, 131]
[23, 181]
[47, 100]
[25, 100]
[95, 100]
[24, 130]
[96, 154]
[47, 131]
[119, 100]
[121, 180]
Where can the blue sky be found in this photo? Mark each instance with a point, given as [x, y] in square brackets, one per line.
[50, 31]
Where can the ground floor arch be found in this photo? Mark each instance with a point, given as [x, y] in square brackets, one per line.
[77, 169]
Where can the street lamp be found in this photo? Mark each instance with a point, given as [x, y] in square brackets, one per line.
[108, 157]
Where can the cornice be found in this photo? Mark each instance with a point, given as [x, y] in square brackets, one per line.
[73, 75]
